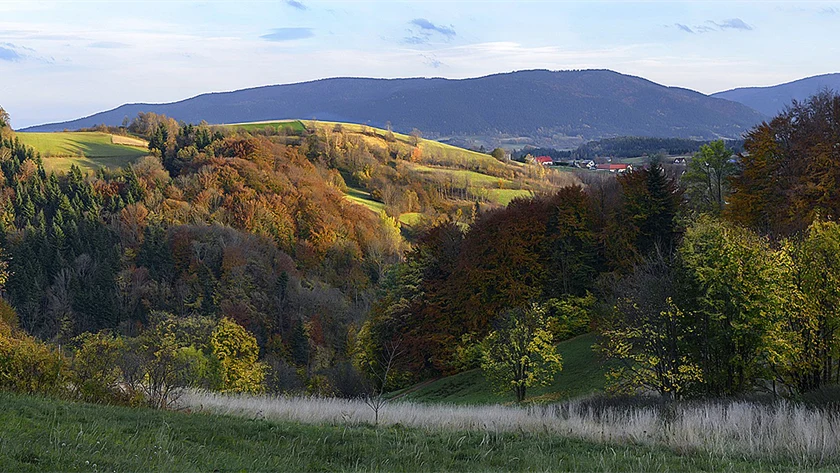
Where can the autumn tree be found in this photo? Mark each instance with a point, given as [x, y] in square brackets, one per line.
[237, 352]
[415, 136]
[809, 359]
[790, 169]
[647, 334]
[519, 353]
[708, 175]
[735, 290]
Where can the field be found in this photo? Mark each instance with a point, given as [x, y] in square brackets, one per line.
[294, 126]
[363, 197]
[47, 435]
[582, 374]
[88, 150]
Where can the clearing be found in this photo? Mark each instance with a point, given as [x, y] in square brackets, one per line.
[582, 374]
[87, 149]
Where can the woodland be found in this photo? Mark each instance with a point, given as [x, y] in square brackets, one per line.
[230, 260]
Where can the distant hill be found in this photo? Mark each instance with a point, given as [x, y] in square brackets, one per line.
[528, 107]
[772, 100]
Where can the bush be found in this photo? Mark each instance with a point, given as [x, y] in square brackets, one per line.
[95, 372]
[29, 366]
[237, 352]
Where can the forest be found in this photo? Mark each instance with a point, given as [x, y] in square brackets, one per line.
[230, 260]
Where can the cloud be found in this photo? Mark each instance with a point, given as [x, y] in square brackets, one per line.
[829, 11]
[415, 40]
[288, 34]
[683, 27]
[711, 25]
[109, 45]
[431, 61]
[54, 37]
[10, 55]
[296, 4]
[428, 27]
[734, 23]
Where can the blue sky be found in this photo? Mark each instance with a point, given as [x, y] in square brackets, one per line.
[64, 59]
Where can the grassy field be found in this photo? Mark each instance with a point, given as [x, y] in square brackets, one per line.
[88, 150]
[45, 435]
[459, 175]
[362, 197]
[504, 196]
[582, 374]
[294, 126]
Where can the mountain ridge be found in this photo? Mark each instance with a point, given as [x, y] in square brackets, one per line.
[772, 99]
[539, 106]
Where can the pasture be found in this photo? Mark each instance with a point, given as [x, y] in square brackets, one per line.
[47, 435]
[582, 374]
[88, 150]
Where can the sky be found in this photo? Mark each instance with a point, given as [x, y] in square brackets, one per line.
[61, 60]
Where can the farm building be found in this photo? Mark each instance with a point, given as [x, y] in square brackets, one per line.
[544, 160]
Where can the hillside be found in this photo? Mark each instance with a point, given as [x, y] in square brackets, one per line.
[772, 100]
[48, 435]
[88, 150]
[395, 172]
[582, 374]
[559, 108]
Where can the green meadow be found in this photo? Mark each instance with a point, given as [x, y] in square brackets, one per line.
[88, 150]
[40, 434]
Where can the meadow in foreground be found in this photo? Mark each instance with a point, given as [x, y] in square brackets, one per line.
[47, 435]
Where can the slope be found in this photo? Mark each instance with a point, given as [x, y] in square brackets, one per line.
[582, 374]
[773, 99]
[88, 150]
[548, 107]
[48, 435]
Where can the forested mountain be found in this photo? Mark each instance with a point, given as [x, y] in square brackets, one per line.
[553, 108]
[771, 100]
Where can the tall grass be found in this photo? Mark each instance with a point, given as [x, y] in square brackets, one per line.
[782, 430]
[39, 434]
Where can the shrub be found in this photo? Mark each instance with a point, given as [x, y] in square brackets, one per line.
[29, 366]
[237, 352]
[95, 369]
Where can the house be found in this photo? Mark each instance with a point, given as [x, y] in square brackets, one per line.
[679, 160]
[613, 167]
[588, 164]
[544, 160]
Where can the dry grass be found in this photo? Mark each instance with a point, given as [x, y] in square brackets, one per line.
[725, 429]
[129, 141]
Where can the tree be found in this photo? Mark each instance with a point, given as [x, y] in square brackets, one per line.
[648, 335]
[708, 176]
[519, 353]
[812, 327]
[5, 124]
[95, 370]
[237, 352]
[735, 289]
[790, 169]
[499, 153]
[652, 202]
[415, 136]
[379, 373]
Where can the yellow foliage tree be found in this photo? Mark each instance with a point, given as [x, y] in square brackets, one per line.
[237, 352]
[520, 352]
